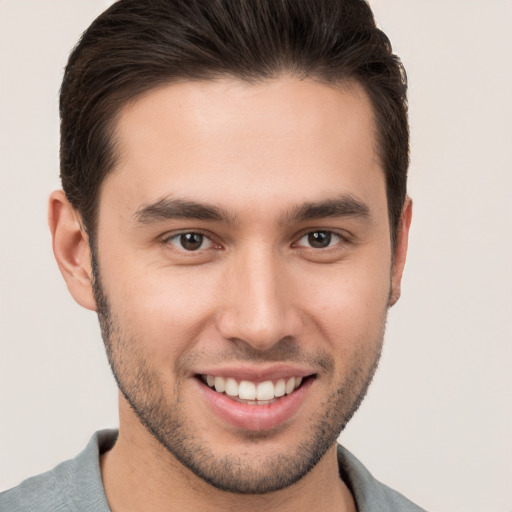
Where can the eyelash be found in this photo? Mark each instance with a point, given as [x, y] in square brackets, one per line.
[343, 239]
[323, 232]
[169, 240]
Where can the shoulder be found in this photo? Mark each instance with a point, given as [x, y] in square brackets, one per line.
[370, 494]
[52, 490]
[74, 485]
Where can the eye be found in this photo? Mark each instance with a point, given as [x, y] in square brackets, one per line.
[190, 241]
[319, 239]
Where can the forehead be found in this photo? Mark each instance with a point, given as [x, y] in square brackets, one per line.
[228, 141]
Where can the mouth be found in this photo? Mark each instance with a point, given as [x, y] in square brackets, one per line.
[250, 403]
[253, 393]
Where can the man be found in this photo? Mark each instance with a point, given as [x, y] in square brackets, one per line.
[235, 210]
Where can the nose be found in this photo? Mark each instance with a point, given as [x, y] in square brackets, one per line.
[259, 304]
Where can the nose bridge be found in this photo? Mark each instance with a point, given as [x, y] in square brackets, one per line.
[258, 307]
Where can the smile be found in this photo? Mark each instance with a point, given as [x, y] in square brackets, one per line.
[252, 393]
[255, 399]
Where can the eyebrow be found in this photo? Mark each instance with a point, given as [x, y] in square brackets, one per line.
[174, 208]
[343, 206]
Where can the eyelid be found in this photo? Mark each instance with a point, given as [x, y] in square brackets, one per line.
[168, 237]
[341, 234]
[344, 238]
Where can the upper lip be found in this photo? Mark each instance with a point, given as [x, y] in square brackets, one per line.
[257, 373]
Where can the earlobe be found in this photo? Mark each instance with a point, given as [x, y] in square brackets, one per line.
[400, 254]
[71, 249]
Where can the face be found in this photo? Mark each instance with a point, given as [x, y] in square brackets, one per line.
[244, 272]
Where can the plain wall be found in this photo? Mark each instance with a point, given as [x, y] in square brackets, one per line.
[437, 422]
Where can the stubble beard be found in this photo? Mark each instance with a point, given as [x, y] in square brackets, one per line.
[168, 423]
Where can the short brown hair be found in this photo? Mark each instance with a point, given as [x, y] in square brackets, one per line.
[137, 45]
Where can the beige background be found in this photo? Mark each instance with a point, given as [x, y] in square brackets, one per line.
[438, 421]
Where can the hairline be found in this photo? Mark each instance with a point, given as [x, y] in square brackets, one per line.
[348, 83]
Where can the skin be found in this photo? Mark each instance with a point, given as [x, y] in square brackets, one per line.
[256, 294]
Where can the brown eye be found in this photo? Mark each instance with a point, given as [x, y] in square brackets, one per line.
[190, 241]
[319, 239]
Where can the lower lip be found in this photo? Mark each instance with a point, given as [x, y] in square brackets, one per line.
[255, 417]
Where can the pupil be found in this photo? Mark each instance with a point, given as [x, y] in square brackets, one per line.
[191, 241]
[319, 239]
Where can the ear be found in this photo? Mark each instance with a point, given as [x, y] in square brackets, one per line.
[402, 240]
[71, 249]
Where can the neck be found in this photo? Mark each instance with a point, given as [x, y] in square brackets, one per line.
[140, 474]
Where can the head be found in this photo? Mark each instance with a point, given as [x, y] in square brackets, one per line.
[135, 47]
[235, 211]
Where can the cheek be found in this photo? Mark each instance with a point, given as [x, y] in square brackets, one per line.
[349, 304]
[164, 310]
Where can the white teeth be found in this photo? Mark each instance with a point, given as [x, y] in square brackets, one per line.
[231, 387]
[247, 390]
[265, 390]
[260, 394]
[280, 388]
[219, 383]
[290, 385]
